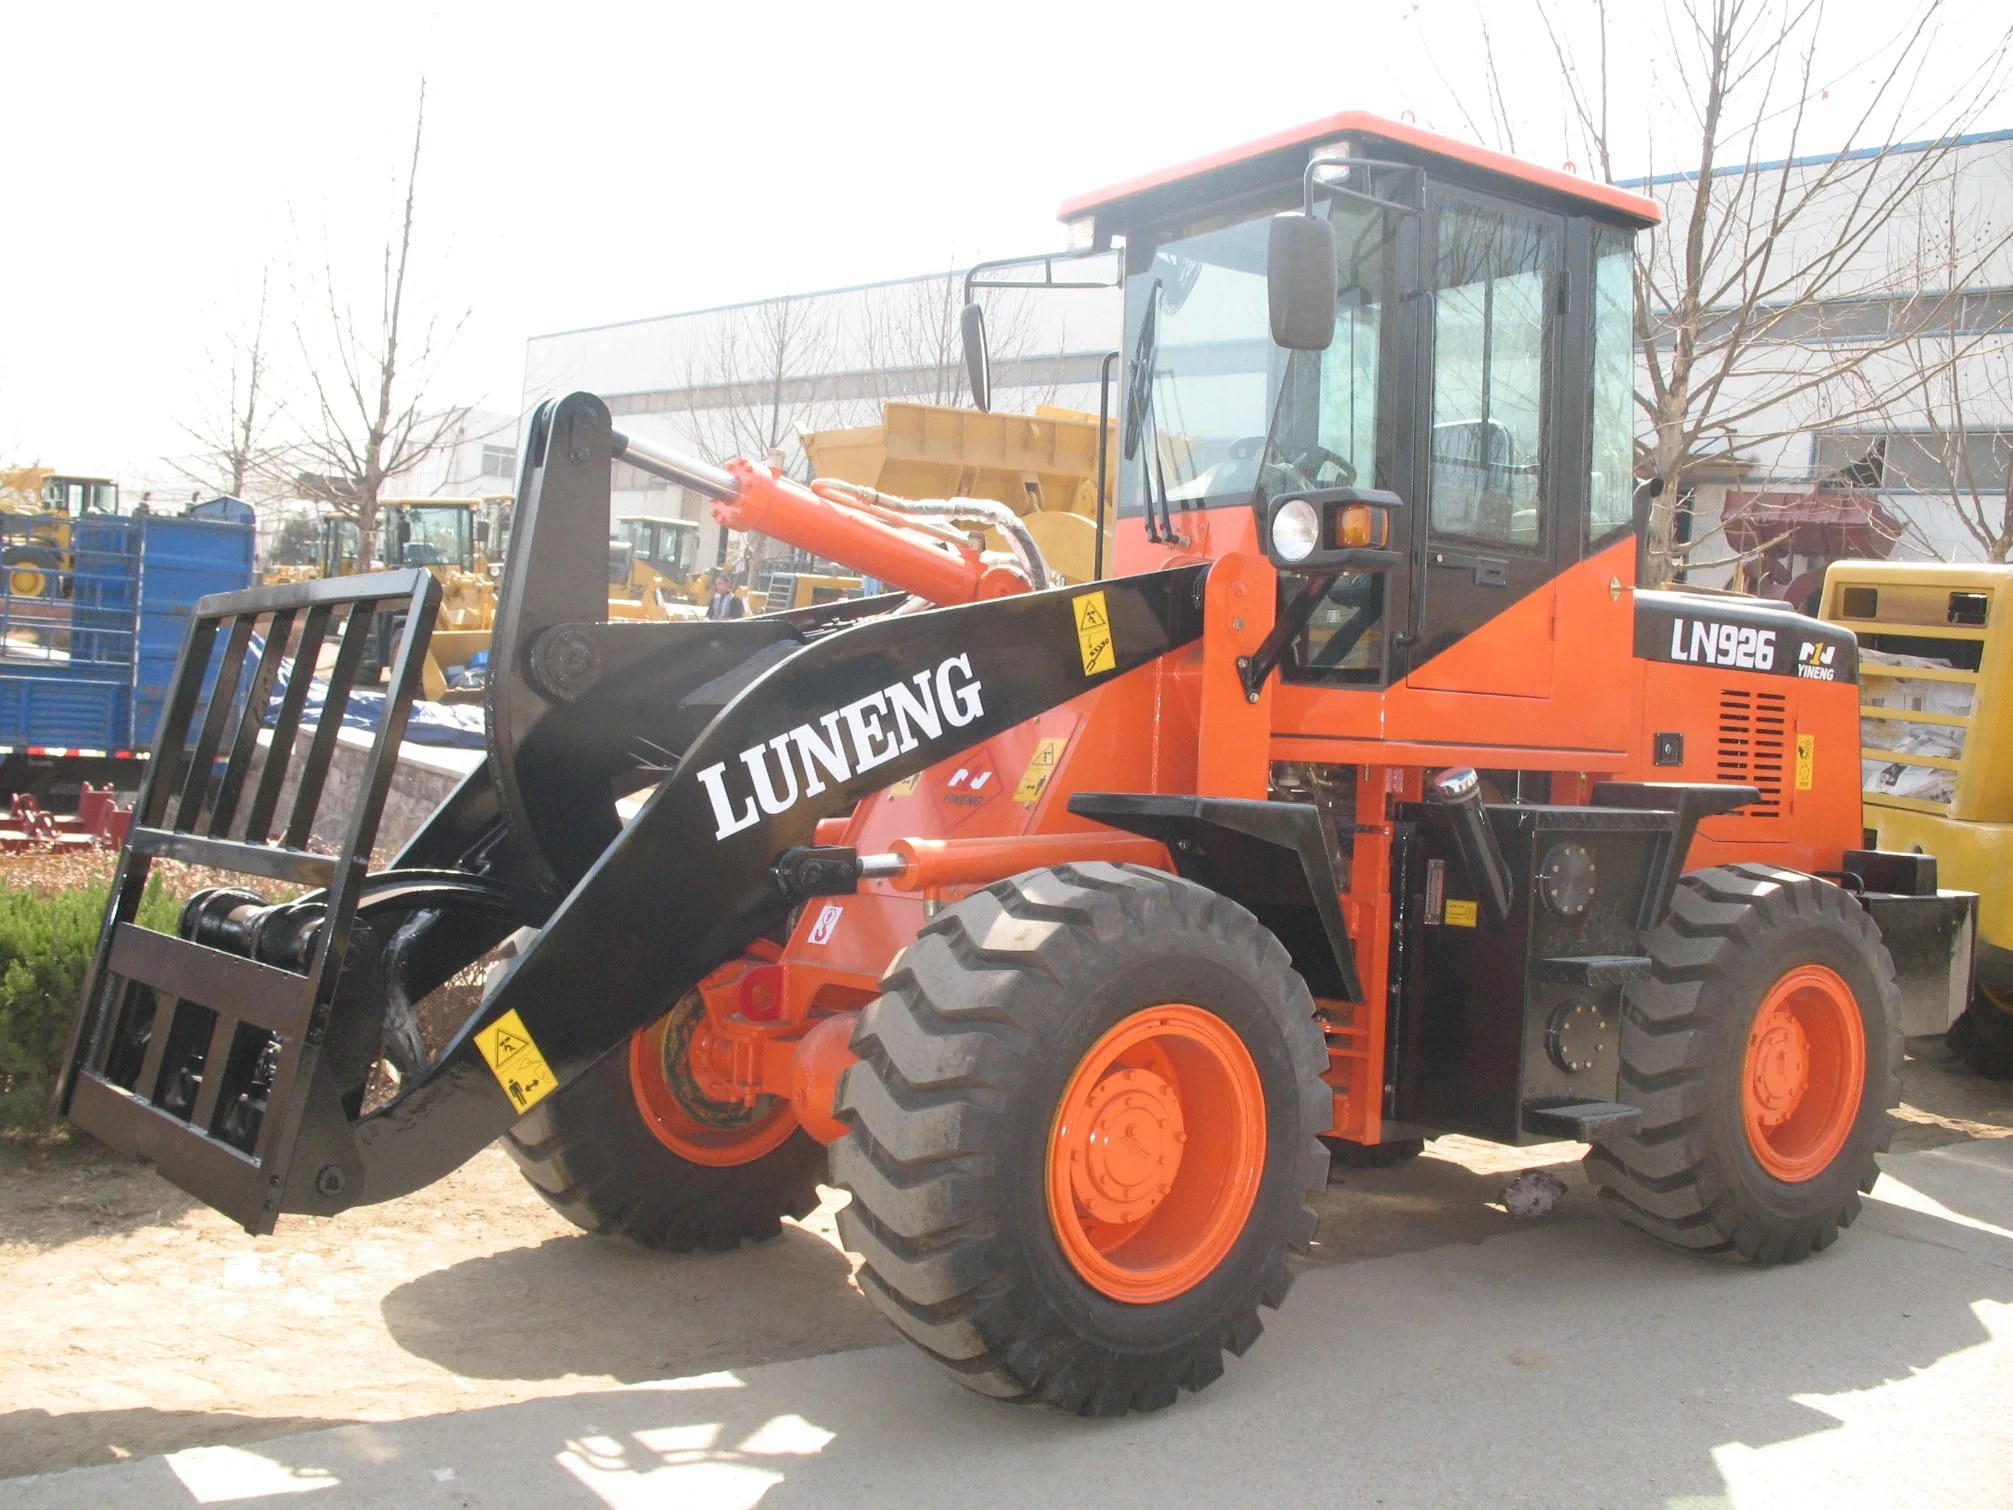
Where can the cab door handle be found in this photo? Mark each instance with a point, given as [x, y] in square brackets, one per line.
[1489, 571]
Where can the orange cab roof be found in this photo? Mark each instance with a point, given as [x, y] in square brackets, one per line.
[1361, 123]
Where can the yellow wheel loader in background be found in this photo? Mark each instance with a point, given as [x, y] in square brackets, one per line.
[1936, 737]
[39, 504]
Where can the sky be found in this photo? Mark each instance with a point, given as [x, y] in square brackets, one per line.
[591, 163]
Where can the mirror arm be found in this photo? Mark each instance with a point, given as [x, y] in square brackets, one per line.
[1332, 161]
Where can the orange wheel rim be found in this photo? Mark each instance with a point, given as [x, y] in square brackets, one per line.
[678, 1113]
[1804, 1073]
[1155, 1154]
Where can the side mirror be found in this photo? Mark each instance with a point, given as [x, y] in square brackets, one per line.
[482, 533]
[1300, 281]
[978, 362]
[404, 530]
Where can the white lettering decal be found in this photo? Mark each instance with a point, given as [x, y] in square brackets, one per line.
[1701, 642]
[1764, 651]
[1727, 635]
[907, 705]
[723, 813]
[757, 762]
[1743, 647]
[814, 752]
[872, 744]
[960, 704]
[1677, 639]
[891, 722]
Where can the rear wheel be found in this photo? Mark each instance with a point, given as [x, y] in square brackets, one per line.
[1983, 1036]
[1082, 1134]
[32, 572]
[1764, 1054]
[635, 1147]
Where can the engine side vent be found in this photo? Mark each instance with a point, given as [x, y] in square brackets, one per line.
[1753, 735]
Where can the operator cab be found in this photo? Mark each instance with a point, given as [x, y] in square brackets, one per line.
[669, 547]
[410, 533]
[75, 497]
[1464, 435]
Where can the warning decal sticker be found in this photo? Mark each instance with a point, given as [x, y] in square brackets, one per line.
[1093, 633]
[1460, 914]
[515, 1061]
[1041, 765]
[1806, 761]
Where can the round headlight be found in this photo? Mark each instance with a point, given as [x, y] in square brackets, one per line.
[1296, 530]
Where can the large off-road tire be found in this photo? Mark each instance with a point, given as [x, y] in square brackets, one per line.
[623, 1150]
[1082, 1135]
[1764, 1052]
[32, 572]
[1983, 1037]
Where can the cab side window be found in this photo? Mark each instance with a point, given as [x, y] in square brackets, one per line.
[1492, 337]
[1610, 497]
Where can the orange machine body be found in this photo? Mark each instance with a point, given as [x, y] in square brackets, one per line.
[1554, 691]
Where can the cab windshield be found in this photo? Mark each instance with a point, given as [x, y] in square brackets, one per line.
[1217, 414]
[431, 536]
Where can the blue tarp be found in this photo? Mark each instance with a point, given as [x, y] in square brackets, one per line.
[458, 726]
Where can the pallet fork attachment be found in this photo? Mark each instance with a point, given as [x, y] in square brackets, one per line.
[627, 916]
[206, 1061]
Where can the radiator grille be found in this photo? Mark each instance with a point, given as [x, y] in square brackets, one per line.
[1753, 732]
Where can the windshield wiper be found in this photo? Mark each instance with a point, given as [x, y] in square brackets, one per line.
[1139, 412]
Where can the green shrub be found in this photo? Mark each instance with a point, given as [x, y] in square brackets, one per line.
[46, 939]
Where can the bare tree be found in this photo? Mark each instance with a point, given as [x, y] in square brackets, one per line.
[757, 375]
[1964, 457]
[1770, 305]
[234, 451]
[372, 417]
[914, 350]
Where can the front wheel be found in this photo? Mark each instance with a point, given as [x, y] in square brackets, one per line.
[1081, 1136]
[635, 1147]
[1764, 1053]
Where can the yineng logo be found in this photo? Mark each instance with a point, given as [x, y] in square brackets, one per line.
[1814, 661]
[863, 734]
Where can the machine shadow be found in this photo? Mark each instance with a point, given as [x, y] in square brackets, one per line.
[606, 1307]
[1489, 1346]
[40, 1441]
[59, 1193]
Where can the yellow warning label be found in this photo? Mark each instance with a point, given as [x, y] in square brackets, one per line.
[1093, 633]
[1041, 765]
[1460, 914]
[906, 787]
[515, 1061]
[1806, 761]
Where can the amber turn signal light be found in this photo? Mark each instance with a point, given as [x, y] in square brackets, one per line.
[1358, 525]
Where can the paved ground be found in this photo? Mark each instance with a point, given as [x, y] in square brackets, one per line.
[1566, 1364]
[1432, 1354]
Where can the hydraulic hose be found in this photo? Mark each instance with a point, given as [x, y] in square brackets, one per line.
[934, 566]
[996, 514]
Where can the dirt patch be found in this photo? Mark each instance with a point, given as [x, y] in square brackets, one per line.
[138, 1322]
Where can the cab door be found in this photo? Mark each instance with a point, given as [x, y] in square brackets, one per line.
[1486, 537]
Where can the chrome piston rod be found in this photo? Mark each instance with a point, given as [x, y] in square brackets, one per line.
[659, 461]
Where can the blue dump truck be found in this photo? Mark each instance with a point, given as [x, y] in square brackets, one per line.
[89, 638]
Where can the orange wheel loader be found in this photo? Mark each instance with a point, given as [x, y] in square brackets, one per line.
[1070, 927]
